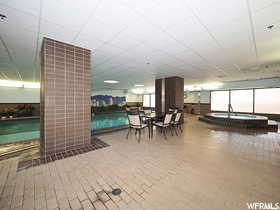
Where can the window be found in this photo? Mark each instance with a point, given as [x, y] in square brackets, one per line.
[149, 100]
[153, 100]
[146, 100]
[219, 100]
[242, 100]
[267, 100]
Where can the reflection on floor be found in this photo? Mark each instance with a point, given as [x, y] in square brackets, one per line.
[205, 167]
[8, 150]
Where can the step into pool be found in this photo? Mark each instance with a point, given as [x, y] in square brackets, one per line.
[21, 130]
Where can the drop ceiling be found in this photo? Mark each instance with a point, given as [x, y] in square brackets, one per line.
[135, 41]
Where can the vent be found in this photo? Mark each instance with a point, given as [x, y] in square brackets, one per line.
[2, 17]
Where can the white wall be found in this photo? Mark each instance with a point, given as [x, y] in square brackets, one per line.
[32, 95]
[19, 95]
[193, 97]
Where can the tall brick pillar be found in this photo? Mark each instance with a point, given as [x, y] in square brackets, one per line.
[65, 97]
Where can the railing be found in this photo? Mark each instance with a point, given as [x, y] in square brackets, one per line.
[230, 109]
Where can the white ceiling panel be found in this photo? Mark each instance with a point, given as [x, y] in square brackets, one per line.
[28, 6]
[267, 16]
[215, 12]
[69, 13]
[200, 40]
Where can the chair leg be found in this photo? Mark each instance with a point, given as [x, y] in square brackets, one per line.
[180, 126]
[175, 128]
[139, 137]
[171, 130]
[164, 132]
[128, 133]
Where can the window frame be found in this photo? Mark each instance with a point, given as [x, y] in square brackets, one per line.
[254, 98]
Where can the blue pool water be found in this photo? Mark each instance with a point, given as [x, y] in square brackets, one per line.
[250, 116]
[20, 130]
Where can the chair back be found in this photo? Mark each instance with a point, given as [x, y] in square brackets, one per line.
[178, 116]
[134, 119]
[173, 110]
[167, 119]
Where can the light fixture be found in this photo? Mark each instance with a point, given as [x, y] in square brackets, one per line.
[31, 85]
[143, 90]
[111, 81]
[207, 86]
[192, 88]
[12, 83]
[139, 85]
[150, 90]
[137, 91]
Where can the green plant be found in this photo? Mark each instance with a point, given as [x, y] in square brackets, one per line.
[8, 112]
[25, 110]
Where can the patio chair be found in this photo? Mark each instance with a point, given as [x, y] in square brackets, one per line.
[166, 123]
[176, 124]
[173, 110]
[135, 122]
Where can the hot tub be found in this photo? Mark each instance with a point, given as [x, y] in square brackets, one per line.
[249, 121]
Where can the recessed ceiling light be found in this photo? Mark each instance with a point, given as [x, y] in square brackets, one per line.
[270, 27]
[111, 81]
[139, 85]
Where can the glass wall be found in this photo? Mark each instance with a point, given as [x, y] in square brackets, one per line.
[260, 100]
[146, 100]
[149, 100]
[219, 100]
[153, 100]
[267, 100]
[242, 100]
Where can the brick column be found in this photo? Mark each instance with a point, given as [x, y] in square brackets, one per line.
[65, 97]
[169, 93]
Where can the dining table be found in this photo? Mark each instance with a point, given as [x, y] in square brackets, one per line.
[150, 118]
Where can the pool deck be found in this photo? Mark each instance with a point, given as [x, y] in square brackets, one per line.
[205, 167]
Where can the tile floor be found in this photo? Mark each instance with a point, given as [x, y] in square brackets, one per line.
[206, 167]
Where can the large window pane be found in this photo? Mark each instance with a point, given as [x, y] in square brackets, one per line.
[242, 100]
[219, 100]
[267, 100]
[153, 100]
[146, 101]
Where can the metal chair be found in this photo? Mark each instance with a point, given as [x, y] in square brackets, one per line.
[135, 122]
[165, 124]
[176, 124]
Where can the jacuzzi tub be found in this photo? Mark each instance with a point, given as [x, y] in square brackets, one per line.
[238, 120]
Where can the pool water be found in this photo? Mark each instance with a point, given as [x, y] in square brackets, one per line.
[233, 115]
[21, 130]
